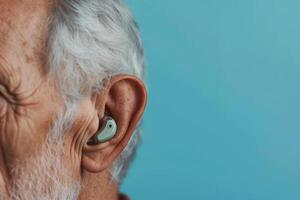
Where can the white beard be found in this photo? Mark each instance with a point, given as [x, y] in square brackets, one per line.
[43, 177]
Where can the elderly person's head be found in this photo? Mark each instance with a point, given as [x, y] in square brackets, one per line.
[66, 66]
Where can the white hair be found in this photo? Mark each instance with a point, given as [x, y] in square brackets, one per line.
[88, 42]
[50, 179]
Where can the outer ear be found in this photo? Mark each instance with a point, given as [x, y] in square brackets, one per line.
[124, 99]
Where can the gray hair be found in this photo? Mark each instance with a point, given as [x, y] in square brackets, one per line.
[88, 42]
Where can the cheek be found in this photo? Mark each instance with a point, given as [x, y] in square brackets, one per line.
[19, 136]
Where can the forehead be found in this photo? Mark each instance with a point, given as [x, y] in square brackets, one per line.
[22, 31]
[17, 12]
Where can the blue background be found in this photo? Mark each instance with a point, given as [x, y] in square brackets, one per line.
[222, 120]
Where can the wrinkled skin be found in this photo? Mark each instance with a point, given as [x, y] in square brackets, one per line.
[25, 111]
[29, 102]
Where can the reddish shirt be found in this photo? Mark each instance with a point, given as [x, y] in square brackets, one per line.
[123, 197]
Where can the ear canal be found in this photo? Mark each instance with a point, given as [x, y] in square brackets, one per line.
[107, 131]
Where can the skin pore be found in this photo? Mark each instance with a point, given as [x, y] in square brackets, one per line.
[33, 162]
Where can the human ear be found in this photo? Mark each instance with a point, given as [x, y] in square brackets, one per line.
[123, 98]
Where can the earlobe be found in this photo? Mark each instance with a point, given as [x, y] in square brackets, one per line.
[92, 164]
[124, 100]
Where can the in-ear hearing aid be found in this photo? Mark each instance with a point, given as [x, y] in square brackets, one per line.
[107, 131]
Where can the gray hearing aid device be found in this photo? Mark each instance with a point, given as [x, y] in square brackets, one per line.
[107, 131]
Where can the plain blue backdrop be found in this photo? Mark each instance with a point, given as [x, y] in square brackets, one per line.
[222, 121]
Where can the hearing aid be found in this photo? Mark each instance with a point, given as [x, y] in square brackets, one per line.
[107, 131]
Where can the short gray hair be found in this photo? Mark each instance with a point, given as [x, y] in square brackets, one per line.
[88, 42]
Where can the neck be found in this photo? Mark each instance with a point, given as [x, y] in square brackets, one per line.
[98, 187]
